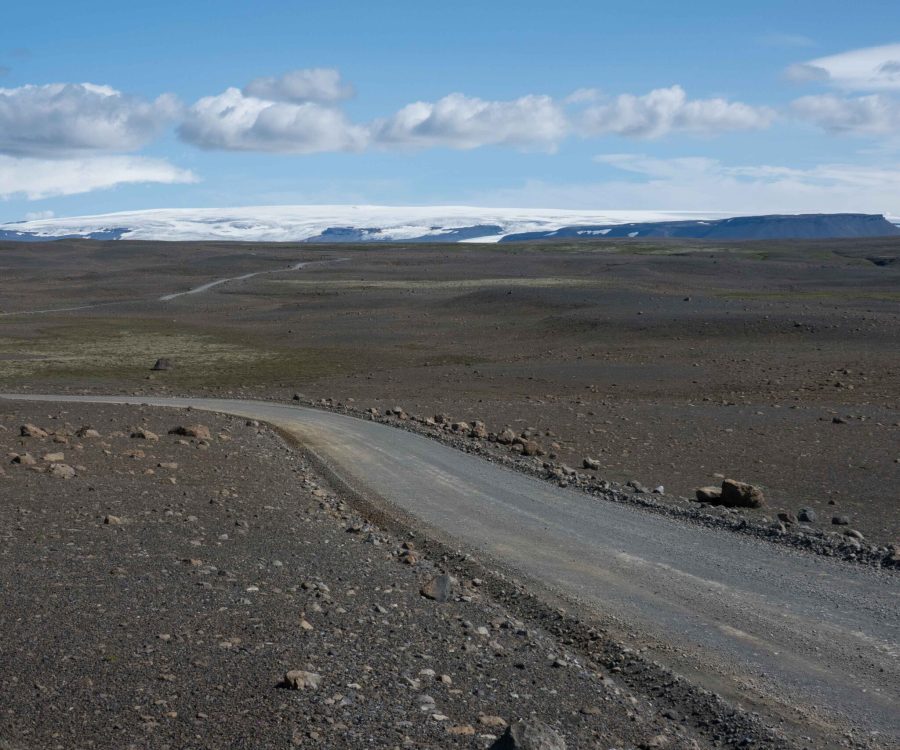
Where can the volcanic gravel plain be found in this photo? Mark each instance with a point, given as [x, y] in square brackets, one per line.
[671, 365]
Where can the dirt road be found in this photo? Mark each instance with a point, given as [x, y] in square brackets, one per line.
[800, 638]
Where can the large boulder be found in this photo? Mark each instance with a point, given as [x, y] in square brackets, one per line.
[531, 448]
[741, 495]
[199, 431]
[300, 679]
[529, 735]
[61, 471]
[506, 436]
[712, 495]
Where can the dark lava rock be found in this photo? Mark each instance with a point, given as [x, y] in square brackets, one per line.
[787, 517]
[162, 364]
[741, 495]
[840, 520]
[529, 735]
[807, 515]
[709, 495]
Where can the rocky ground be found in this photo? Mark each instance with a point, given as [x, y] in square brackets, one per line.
[205, 588]
[675, 364]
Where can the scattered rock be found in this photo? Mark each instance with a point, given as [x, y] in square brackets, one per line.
[787, 517]
[591, 463]
[493, 722]
[807, 515]
[52, 458]
[854, 534]
[198, 431]
[840, 520]
[25, 459]
[142, 434]
[741, 495]
[61, 471]
[33, 431]
[163, 363]
[113, 520]
[709, 495]
[439, 588]
[506, 436]
[531, 448]
[87, 433]
[530, 735]
[298, 679]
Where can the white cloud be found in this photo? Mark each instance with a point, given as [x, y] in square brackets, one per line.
[38, 215]
[867, 69]
[874, 114]
[668, 110]
[36, 178]
[236, 122]
[702, 184]
[298, 86]
[65, 119]
[458, 121]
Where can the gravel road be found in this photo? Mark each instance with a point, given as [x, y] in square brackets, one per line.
[803, 639]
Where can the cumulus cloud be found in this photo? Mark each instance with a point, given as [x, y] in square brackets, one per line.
[874, 114]
[463, 122]
[866, 69]
[236, 122]
[300, 113]
[36, 178]
[669, 110]
[703, 184]
[66, 119]
[298, 86]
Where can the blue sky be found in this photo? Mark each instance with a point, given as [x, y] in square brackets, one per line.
[737, 107]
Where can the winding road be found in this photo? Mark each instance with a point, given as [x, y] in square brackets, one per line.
[800, 638]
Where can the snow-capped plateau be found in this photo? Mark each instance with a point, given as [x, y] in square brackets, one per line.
[346, 223]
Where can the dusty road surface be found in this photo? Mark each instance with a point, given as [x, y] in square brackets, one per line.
[799, 638]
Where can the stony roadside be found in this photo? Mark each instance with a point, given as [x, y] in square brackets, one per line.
[531, 451]
[209, 589]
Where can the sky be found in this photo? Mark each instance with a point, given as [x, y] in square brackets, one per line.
[704, 106]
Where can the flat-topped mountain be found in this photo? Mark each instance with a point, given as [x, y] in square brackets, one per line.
[438, 224]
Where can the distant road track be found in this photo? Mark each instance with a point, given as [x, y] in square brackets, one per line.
[169, 297]
[808, 639]
[209, 285]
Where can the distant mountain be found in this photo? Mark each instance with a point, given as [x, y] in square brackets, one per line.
[324, 224]
[774, 227]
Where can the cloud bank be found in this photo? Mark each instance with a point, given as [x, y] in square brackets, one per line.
[65, 119]
[668, 110]
[689, 182]
[44, 178]
[463, 122]
[298, 86]
[299, 113]
[233, 121]
[866, 69]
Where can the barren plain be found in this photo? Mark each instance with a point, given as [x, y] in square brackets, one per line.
[671, 364]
